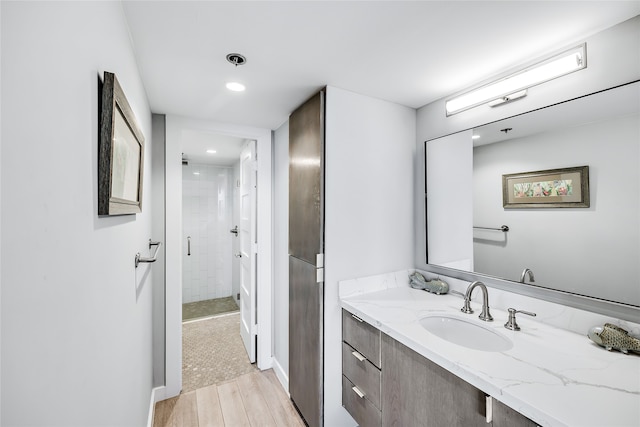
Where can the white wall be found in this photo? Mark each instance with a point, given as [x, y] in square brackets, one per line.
[450, 218]
[281, 253]
[611, 149]
[613, 58]
[157, 188]
[0, 220]
[76, 314]
[235, 245]
[370, 147]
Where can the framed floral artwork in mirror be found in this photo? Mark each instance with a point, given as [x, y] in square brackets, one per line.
[553, 188]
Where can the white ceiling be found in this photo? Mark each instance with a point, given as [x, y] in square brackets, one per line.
[411, 53]
[602, 106]
[195, 145]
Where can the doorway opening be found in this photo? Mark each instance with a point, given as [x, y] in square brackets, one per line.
[213, 194]
[223, 280]
[210, 218]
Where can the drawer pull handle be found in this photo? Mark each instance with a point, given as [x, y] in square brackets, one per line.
[357, 318]
[489, 409]
[358, 356]
[357, 391]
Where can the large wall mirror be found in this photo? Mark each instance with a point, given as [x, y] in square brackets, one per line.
[591, 252]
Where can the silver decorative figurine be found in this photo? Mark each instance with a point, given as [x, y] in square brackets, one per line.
[436, 286]
[613, 337]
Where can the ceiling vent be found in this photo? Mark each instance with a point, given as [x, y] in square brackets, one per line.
[236, 59]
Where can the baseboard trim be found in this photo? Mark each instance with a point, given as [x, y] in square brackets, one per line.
[282, 376]
[157, 394]
[265, 363]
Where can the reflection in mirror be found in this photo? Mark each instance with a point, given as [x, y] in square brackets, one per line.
[592, 251]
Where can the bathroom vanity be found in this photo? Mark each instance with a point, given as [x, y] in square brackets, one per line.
[399, 370]
[415, 391]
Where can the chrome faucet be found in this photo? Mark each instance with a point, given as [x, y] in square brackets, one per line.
[524, 273]
[484, 315]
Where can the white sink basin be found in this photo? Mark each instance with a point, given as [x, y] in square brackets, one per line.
[466, 333]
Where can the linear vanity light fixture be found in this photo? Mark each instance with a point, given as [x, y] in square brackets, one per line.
[515, 85]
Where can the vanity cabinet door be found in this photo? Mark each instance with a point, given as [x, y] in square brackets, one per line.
[361, 409]
[361, 336]
[417, 392]
[362, 373]
[504, 416]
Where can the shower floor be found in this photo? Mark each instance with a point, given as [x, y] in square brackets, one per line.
[207, 308]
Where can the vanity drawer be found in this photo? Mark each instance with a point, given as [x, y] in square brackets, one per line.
[361, 336]
[361, 373]
[360, 408]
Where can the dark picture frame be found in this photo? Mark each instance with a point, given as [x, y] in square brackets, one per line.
[120, 153]
[552, 188]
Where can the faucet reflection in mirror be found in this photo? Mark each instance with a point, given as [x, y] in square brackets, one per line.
[570, 249]
[524, 274]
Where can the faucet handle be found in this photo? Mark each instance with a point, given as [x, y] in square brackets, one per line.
[467, 306]
[511, 322]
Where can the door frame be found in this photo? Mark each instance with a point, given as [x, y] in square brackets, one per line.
[173, 236]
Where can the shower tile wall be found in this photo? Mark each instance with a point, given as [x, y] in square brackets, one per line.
[207, 215]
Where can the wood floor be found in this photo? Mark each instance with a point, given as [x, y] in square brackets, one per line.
[255, 399]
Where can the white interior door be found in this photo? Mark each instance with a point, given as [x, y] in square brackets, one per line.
[248, 246]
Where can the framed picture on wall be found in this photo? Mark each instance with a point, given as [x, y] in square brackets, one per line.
[120, 153]
[553, 188]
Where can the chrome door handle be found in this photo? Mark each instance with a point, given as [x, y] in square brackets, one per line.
[239, 255]
[188, 245]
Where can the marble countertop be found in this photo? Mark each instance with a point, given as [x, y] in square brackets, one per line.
[551, 375]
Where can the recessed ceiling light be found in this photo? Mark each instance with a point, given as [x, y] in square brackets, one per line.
[196, 173]
[211, 151]
[235, 87]
[475, 137]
